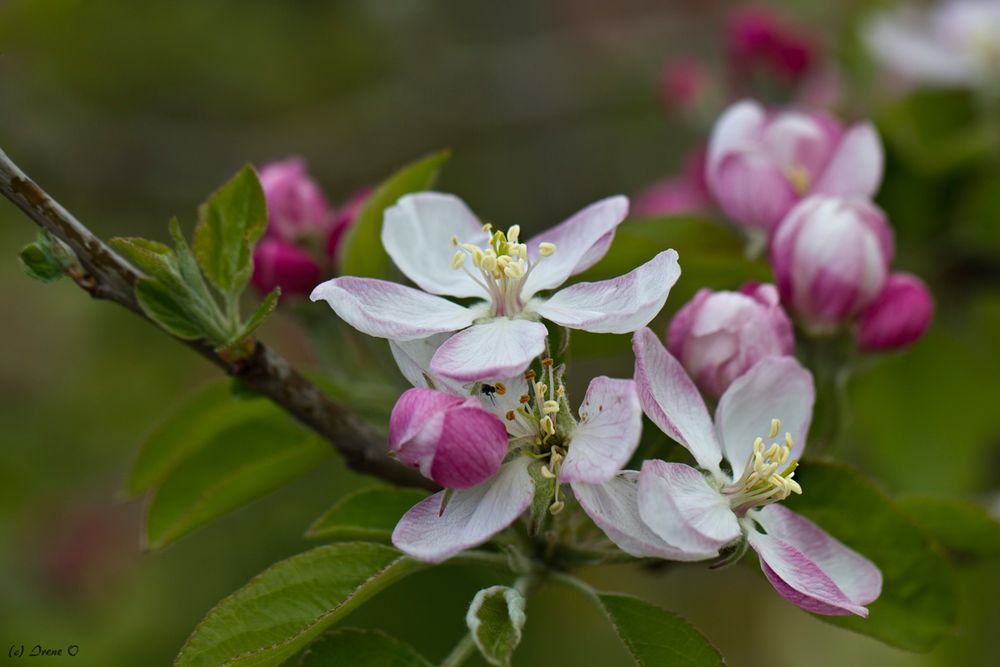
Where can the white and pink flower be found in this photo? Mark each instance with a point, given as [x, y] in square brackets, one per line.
[675, 511]
[718, 336]
[761, 164]
[439, 244]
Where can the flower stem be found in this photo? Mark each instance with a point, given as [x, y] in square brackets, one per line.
[462, 651]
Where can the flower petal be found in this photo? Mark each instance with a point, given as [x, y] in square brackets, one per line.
[414, 360]
[472, 446]
[607, 434]
[417, 234]
[619, 305]
[856, 166]
[752, 190]
[811, 569]
[739, 127]
[613, 506]
[498, 348]
[580, 242]
[775, 388]
[678, 504]
[670, 399]
[388, 310]
[471, 517]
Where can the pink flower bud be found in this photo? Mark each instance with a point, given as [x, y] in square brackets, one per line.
[899, 316]
[758, 41]
[718, 336]
[296, 208]
[686, 193]
[761, 164]
[277, 263]
[450, 439]
[683, 83]
[345, 217]
[830, 258]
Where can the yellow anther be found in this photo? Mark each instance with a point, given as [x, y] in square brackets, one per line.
[546, 473]
[550, 407]
[557, 507]
[545, 248]
[489, 262]
[758, 445]
[529, 374]
[556, 458]
[540, 389]
[454, 240]
[513, 233]
[788, 440]
[775, 427]
[501, 388]
[548, 426]
[510, 415]
[487, 228]
[524, 398]
[560, 391]
[514, 271]
[458, 259]
[547, 361]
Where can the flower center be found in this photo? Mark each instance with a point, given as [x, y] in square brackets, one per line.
[503, 267]
[798, 176]
[761, 482]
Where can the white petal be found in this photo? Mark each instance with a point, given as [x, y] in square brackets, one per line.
[677, 502]
[619, 305]
[607, 434]
[775, 388]
[471, 517]
[417, 234]
[670, 399]
[498, 348]
[738, 128]
[414, 360]
[855, 169]
[580, 242]
[613, 506]
[388, 310]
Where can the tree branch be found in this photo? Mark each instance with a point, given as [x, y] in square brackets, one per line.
[107, 276]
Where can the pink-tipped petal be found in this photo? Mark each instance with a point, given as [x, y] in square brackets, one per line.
[613, 506]
[417, 234]
[607, 433]
[386, 310]
[580, 242]
[498, 348]
[471, 517]
[752, 190]
[472, 446]
[620, 305]
[670, 399]
[856, 167]
[738, 128]
[775, 388]
[679, 505]
[898, 317]
[810, 568]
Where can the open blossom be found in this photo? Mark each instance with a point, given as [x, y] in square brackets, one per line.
[830, 258]
[718, 336]
[439, 244]
[544, 441]
[761, 164]
[898, 317]
[675, 511]
[953, 43]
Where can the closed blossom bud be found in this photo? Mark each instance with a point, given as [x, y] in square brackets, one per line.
[830, 258]
[297, 210]
[718, 336]
[683, 83]
[449, 439]
[898, 317]
[277, 263]
[760, 42]
[760, 164]
[342, 221]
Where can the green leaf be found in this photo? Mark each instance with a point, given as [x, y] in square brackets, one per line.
[917, 606]
[188, 428]
[46, 259]
[361, 251]
[959, 526]
[236, 465]
[151, 257]
[495, 619]
[258, 318]
[292, 602]
[361, 648]
[231, 221]
[656, 637]
[170, 310]
[367, 514]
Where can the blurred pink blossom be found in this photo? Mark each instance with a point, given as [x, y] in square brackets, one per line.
[758, 41]
[686, 193]
[683, 82]
[297, 210]
[278, 263]
[898, 317]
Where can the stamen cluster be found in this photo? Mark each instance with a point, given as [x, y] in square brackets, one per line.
[761, 482]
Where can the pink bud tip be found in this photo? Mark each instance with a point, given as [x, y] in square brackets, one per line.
[296, 207]
[899, 316]
[280, 264]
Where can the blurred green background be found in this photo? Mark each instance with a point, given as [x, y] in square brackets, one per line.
[129, 113]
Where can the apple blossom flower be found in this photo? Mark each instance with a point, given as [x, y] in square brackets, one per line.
[953, 43]
[438, 243]
[718, 336]
[761, 164]
[898, 317]
[675, 511]
[277, 263]
[830, 258]
[297, 210]
[450, 439]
